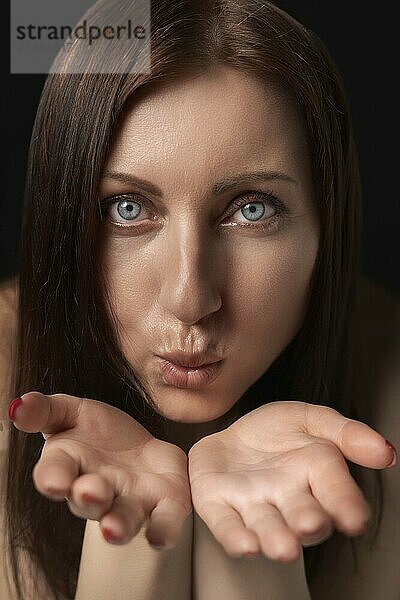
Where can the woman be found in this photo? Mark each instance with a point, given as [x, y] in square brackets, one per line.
[263, 275]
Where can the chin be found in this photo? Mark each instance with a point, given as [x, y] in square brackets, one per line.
[192, 411]
[200, 412]
[179, 416]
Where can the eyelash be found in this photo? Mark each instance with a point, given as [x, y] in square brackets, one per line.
[250, 197]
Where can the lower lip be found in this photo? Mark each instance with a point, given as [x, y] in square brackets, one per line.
[189, 377]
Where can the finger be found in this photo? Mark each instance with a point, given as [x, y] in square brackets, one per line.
[306, 517]
[48, 414]
[340, 496]
[55, 472]
[124, 520]
[91, 497]
[94, 497]
[276, 540]
[228, 528]
[166, 523]
[357, 441]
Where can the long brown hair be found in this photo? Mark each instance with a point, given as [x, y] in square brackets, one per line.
[66, 333]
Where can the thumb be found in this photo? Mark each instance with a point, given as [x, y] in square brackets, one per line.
[49, 414]
[356, 440]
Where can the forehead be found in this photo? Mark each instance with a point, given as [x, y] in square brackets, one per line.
[223, 119]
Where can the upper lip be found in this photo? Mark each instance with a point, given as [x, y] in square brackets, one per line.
[190, 359]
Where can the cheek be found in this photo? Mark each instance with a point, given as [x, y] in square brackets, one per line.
[269, 299]
[128, 282]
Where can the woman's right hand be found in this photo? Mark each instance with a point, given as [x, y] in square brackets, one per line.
[98, 450]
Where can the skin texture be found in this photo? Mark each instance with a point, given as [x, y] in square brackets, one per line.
[275, 478]
[186, 275]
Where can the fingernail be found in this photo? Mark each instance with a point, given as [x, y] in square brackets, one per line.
[109, 535]
[89, 498]
[12, 409]
[394, 457]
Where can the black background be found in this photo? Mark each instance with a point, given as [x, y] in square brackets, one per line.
[361, 40]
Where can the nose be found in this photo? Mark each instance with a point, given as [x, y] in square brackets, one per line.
[189, 274]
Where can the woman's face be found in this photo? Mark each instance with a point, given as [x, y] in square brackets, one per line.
[190, 270]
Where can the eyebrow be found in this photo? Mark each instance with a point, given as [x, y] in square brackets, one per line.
[218, 188]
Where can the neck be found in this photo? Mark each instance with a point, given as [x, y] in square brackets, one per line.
[185, 435]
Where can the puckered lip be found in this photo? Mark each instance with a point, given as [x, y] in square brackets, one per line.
[192, 359]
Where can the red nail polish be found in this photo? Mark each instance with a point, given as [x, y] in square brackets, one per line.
[109, 535]
[12, 409]
[88, 498]
[394, 457]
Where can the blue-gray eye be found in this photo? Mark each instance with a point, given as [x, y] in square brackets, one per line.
[127, 209]
[252, 212]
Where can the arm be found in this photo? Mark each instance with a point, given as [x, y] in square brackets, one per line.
[134, 570]
[32, 592]
[218, 576]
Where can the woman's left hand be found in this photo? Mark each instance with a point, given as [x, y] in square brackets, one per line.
[277, 478]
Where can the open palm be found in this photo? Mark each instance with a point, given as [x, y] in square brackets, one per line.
[277, 478]
[109, 467]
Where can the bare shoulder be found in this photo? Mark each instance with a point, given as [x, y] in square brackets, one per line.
[8, 321]
[8, 315]
[8, 307]
[8, 295]
[377, 326]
